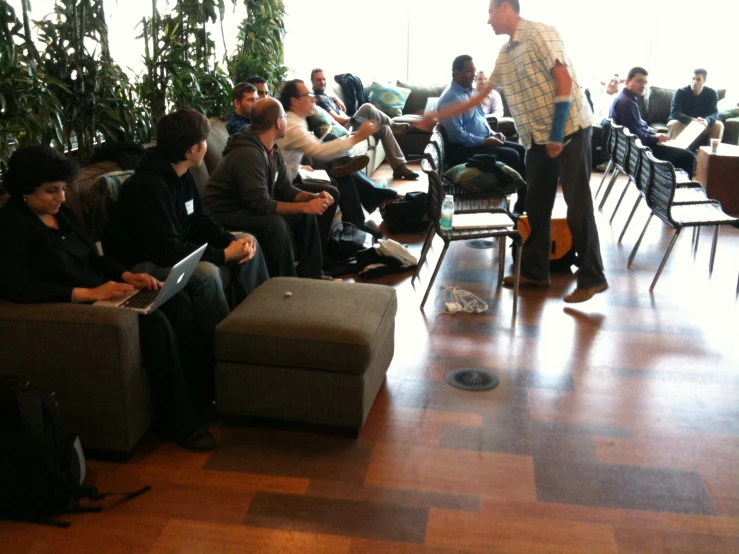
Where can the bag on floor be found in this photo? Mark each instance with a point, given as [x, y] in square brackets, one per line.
[42, 465]
[407, 214]
[346, 240]
[562, 255]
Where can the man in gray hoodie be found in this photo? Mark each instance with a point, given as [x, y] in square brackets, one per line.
[250, 191]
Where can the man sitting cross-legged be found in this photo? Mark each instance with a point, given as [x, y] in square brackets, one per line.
[356, 189]
[468, 133]
[243, 97]
[366, 112]
[159, 219]
[250, 189]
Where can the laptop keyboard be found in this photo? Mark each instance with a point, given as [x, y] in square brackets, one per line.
[141, 299]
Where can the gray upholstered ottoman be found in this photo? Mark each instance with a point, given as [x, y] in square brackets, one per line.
[318, 355]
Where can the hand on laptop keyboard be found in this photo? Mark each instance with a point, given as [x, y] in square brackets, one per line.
[141, 280]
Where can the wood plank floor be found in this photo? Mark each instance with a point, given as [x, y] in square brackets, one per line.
[615, 428]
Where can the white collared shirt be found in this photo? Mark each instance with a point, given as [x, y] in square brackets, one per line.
[523, 72]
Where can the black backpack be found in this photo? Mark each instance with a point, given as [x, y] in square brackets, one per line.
[42, 465]
[407, 214]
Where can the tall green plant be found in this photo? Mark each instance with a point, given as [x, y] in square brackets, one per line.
[260, 51]
[179, 53]
[29, 112]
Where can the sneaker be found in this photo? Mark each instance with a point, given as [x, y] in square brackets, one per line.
[200, 441]
[351, 165]
[400, 128]
[525, 282]
[601, 167]
[583, 294]
[402, 172]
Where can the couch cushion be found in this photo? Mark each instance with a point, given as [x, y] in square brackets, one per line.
[419, 94]
[321, 121]
[659, 104]
[388, 98]
[100, 200]
[216, 143]
[322, 325]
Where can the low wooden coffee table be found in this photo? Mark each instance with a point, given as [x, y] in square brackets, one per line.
[719, 175]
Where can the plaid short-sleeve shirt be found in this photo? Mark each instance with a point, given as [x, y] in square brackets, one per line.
[522, 72]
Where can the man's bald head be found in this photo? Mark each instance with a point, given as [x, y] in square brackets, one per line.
[265, 113]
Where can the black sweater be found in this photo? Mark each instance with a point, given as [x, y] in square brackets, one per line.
[686, 105]
[43, 264]
[160, 218]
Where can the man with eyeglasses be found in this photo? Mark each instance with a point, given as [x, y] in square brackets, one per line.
[261, 86]
[625, 111]
[386, 127]
[243, 97]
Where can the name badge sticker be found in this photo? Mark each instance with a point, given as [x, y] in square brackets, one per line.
[190, 207]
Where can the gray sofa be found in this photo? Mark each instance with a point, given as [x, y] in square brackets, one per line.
[89, 355]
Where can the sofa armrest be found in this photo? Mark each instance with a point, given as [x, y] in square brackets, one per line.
[731, 131]
[89, 355]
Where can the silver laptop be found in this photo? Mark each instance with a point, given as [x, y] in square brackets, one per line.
[431, 104]
[145, 301]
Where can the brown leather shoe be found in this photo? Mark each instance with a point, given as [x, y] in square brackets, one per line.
[352, 165]
[402, 172]
[525, 282]
[400, 128]
[582, 294]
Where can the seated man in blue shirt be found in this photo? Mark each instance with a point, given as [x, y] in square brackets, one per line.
[625, 111]
[696, 102]
[243, 97]
[468, 133]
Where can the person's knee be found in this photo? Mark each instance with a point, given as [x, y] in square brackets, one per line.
[206, 276]
[717, 129]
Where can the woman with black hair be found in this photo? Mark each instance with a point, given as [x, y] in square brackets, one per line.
[46, 257]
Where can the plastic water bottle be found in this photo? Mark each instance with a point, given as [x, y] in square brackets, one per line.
[382, 184]
[447, 213]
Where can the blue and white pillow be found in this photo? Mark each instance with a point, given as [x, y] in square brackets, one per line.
[388, 98]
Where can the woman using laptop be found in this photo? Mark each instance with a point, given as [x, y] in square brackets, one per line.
[46, 257]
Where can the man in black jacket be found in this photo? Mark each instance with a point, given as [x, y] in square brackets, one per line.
[160, 218]
[250, 190]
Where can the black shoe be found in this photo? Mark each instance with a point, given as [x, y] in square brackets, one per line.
[402, 172]
[199, 441]
[352, 165]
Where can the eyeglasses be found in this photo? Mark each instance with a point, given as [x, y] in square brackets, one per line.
[309, 95]
[262, 93]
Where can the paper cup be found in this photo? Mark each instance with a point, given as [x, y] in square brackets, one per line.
[714, 145]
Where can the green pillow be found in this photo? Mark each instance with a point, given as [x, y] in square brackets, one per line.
[726, 114]
[388, 98]
[473, 179]
[321, 121]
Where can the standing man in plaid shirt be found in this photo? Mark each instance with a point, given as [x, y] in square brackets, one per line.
[553, 120]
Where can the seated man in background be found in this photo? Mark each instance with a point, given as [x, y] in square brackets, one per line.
[493, 104]
[160, 219]
[250, 190]
[261, 86]
[386, 128]
[625, 111]
[468, 133]
[243, 97]
[601, 98]
[356, 189]
[695, 102]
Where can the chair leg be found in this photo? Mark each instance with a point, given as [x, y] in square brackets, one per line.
[638, 242]
[628, 221]
[501, 259]
[603, 180]
[696, 239]
[436, 271]
[713, 249]
[620, 199]
[517, 277]
[667, 255]
[608, 189]
[424, 251]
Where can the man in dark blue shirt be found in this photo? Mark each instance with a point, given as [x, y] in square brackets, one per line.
[696, 102]
[243, 97]
[625, 111]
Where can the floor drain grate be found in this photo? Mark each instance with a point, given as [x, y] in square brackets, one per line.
[481, 244]
[472, 379]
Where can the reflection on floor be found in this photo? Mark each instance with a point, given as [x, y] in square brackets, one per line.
[615, 428]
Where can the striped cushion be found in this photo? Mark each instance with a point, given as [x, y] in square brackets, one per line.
[321, 121]
[388, 98]
[100, 200]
